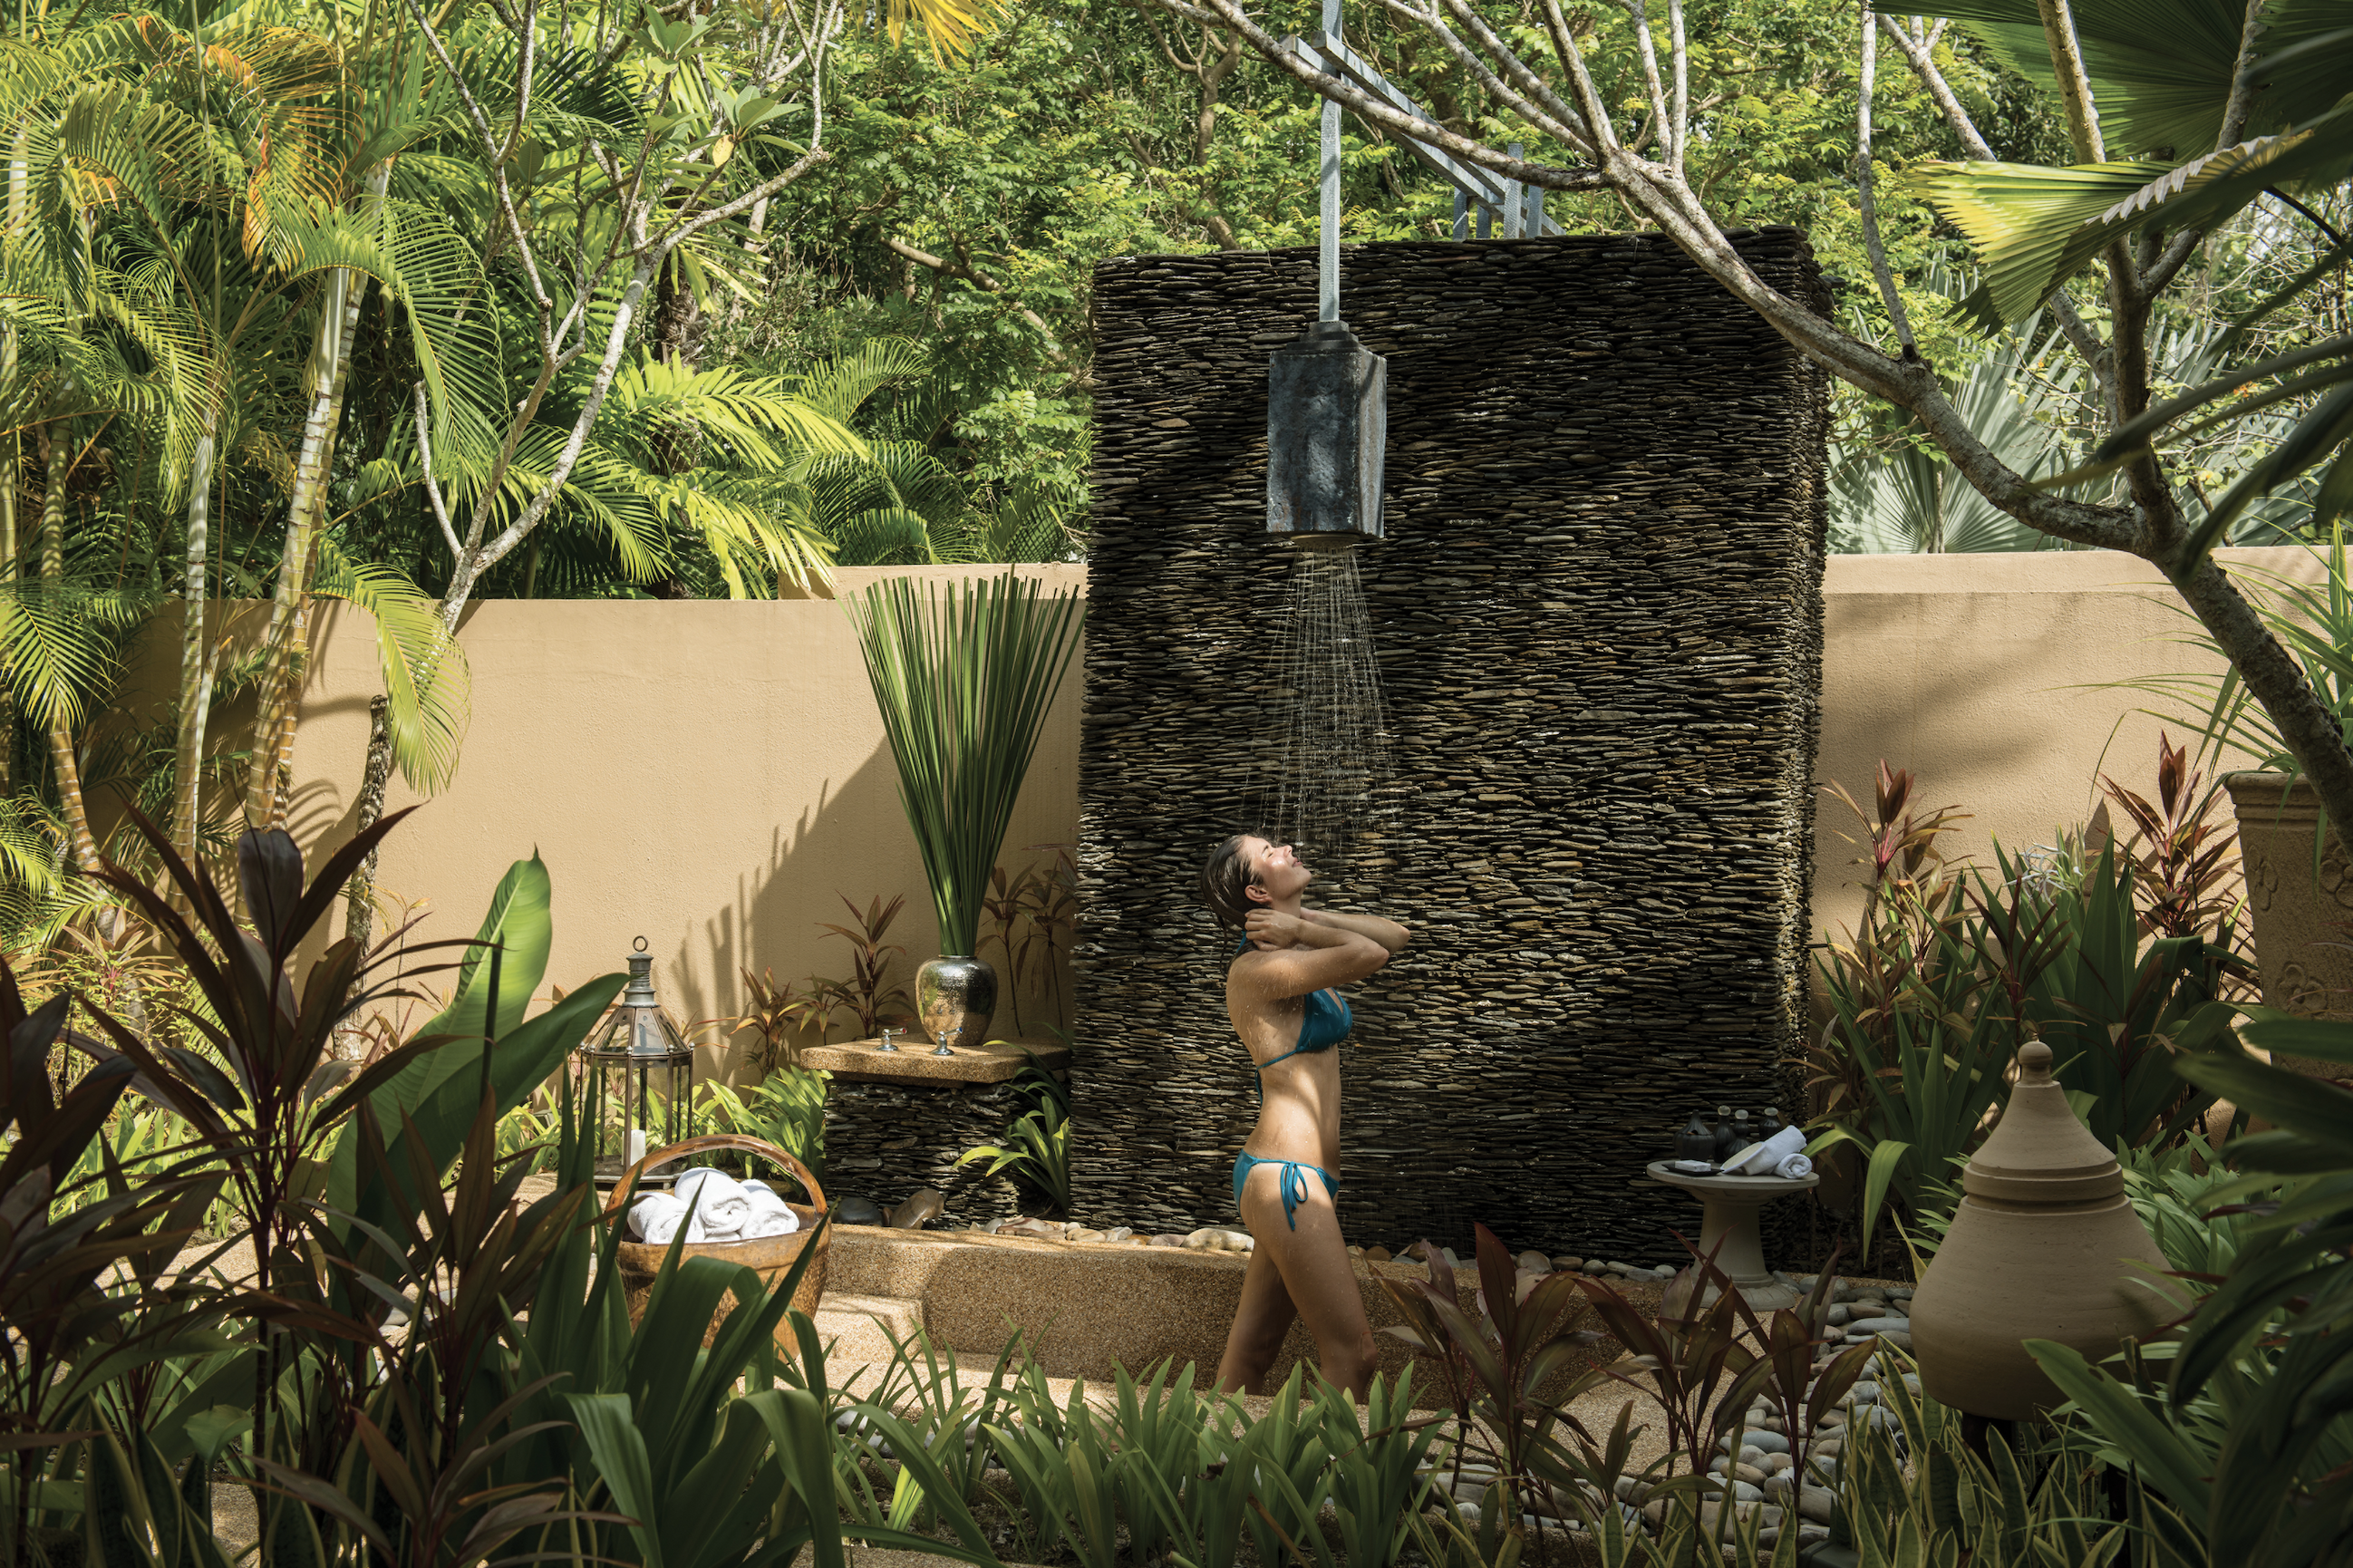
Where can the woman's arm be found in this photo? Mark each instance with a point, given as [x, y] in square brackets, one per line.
[1290, 957]
[1388, 933]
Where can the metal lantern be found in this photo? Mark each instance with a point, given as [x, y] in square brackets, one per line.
[640, 1070]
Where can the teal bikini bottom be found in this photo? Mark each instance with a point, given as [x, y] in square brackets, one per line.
[1294, 1181]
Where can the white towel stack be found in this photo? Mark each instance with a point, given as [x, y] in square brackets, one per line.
[714, 1207]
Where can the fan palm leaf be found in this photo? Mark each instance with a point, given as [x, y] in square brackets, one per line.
[2034, 228]
[2160, 69]
[1909, 501]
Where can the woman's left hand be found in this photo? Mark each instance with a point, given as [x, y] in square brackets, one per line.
[1271, 931]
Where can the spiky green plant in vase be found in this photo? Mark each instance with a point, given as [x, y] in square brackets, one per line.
[963, 674]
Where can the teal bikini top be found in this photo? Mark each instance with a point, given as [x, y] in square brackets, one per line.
[1324, 1022]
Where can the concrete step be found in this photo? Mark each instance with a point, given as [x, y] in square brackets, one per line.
[854, 1326]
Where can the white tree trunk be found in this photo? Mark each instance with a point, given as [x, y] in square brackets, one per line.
[288, 638]
[195, 665]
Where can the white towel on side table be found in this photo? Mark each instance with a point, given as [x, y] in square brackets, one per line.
[1760, 1158]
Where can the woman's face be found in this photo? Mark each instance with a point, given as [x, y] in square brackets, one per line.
[1276, 869]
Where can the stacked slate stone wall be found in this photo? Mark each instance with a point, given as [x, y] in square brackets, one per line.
[882, 1141]
[1598, 615]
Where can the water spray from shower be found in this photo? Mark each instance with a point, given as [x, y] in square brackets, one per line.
[1327, 423]
[1324, 790]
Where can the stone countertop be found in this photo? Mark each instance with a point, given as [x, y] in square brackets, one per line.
[913, 1062]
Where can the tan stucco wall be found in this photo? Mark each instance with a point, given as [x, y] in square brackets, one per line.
[1984, 675]
[708, 774]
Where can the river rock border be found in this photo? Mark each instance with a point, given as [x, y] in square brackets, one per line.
[1598, 619]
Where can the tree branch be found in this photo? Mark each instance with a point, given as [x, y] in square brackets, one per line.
[1649, 55]
[2074, 82]
[1680, 52]
[964, 269]
[1872, 245]
[1378, 111]
[432, 486]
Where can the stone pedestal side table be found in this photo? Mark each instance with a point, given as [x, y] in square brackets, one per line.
[1728, 1207]
[896, 1121]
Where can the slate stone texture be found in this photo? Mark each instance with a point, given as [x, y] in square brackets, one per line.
[1598, 616]
[882, 1141]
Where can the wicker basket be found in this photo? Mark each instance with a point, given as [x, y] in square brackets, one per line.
[772, 1256]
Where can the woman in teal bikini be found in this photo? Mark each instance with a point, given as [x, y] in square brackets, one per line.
[1281, 993]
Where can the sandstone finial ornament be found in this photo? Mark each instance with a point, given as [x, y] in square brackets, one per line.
[2044, 1245]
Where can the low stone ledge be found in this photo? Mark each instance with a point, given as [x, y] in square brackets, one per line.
[1091, 1307]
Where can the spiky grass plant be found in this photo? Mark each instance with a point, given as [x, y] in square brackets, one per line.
[963, 674]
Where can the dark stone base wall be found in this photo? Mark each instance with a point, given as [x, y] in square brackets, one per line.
[1598, 615]
[882, 1141]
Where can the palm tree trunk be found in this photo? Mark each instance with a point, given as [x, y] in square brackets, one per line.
[61, 742]
[195, 668]
[15, 466]
[288, 638]
[359, 895]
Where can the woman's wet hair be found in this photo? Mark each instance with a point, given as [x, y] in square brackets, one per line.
[1225, 876]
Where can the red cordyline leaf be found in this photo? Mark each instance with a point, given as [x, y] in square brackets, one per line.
[1894, 788]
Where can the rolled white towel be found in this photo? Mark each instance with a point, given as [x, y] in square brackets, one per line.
[1794, 1168]
[764, 1199]
[657, 1216]
[1760, 1158]
[782, 1223]
[717, 1197]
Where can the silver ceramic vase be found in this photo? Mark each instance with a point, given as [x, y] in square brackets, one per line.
[956, 996]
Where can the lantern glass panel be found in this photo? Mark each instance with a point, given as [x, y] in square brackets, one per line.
[641, 1074]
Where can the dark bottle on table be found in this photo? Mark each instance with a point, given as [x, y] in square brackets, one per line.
[1722, 1150]
[1696, 1140]
[1743, 1135]
[1769, 1123]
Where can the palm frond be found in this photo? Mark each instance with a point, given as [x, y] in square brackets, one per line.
[424, 671]
[839, 387]
[55, 663]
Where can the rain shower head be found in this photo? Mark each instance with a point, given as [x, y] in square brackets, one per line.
[1326, 422]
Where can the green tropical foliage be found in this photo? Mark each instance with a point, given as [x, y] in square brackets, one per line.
[2244, 1428]
[1037, 1146]
[2288, 136]
[963, 675]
